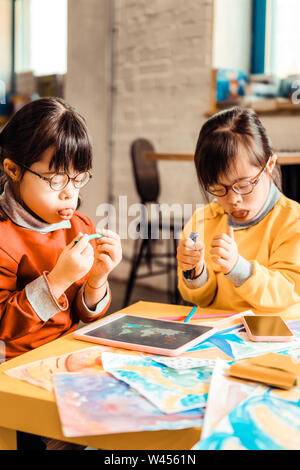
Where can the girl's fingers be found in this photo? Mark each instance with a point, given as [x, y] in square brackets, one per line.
[83, 241]
[189, 260]
[88, 250]
[221, 244]
[220, 261]
[223, 236]
[220, 252]
[108, 234]
[109, 250]
[186, 267]
[187, 243]
[106, 240]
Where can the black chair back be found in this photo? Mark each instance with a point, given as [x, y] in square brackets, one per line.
[145, 171]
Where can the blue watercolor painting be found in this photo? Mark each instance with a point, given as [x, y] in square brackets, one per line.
[262, 422]
[235, 343]
[169, 389]
[100, 404]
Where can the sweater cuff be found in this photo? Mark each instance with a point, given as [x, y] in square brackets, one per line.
[198, 281]
[241, 272]
[42, 300]
[100, 305]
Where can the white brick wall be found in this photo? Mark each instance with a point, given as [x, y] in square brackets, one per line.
[162, 78]
[162, 68]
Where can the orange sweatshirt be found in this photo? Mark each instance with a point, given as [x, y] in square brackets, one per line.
[29, 314]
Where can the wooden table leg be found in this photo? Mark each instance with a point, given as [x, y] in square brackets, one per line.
[8, 439]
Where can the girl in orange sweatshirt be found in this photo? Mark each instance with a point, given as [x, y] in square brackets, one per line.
[47, 282]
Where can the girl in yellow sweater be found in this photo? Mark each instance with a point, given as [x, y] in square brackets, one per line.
[250, 255]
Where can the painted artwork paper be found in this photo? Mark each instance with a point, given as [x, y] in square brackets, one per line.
[169, 389]
[262, 422]
[87, 361]
[234, 343]
[180, 362]
[268, 419]
[225, 393]
[100, 404]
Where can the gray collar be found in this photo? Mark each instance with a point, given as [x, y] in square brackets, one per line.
[271, 200]
[20, 216]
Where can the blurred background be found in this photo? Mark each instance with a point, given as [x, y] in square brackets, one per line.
[156, 70]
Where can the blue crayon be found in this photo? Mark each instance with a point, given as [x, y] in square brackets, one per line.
[190, 274]
[91, 237]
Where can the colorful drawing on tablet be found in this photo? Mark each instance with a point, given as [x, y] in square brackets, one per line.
[100, 404]
[169, 389]
[261, 422]
[145, 334]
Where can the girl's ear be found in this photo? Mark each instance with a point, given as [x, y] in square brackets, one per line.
[12, 170]
[271, 163]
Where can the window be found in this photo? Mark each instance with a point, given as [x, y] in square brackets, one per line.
[284, 37]
[41, 36]
[276, 35]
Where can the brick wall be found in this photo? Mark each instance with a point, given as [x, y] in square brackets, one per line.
[162, 66]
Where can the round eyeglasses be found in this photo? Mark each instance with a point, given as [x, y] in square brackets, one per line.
[241, 187]
[59, 181]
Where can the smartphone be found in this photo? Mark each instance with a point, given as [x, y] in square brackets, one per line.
[267, 328]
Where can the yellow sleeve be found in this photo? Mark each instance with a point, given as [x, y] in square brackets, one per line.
[202, 296]
[276, 287]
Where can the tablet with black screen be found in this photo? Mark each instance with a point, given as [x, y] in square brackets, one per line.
[145, 334]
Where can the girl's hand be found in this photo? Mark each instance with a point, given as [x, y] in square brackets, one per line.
[190, 255]
[108, 254]
[225, 251]
[74, 262]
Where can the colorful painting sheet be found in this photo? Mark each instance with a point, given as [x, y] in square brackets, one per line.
[225, 393]
[261, 422]
[268, 419]
[171, 390]
[180, 362]
[234, 343]
[87, 361]
[100, 404]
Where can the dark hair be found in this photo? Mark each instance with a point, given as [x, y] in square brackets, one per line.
[223, 136]
[44, 123]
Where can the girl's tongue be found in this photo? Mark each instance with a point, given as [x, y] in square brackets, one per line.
[240, 214]
[66, 213]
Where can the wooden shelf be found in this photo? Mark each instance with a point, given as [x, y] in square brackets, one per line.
[284, 158]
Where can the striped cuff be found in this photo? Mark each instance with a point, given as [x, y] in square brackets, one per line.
[241, 272]
[198, 281]
[100, 305]
[42, 300]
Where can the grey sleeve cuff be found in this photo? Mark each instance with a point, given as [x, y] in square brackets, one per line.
[100, 305]
[198, 281]
[42, 300]
[241, 272]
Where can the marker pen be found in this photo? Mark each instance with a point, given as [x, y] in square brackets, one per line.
[190, 274]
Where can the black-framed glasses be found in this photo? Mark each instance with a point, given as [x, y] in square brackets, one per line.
[59, 181]
[241, 187]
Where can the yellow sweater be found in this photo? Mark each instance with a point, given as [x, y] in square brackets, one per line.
[273, 248]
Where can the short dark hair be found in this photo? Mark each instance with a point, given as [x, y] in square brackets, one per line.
[41, 124]
[220, 140]
[44, 123]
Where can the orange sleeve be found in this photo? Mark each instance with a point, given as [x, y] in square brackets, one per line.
[17, 317]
